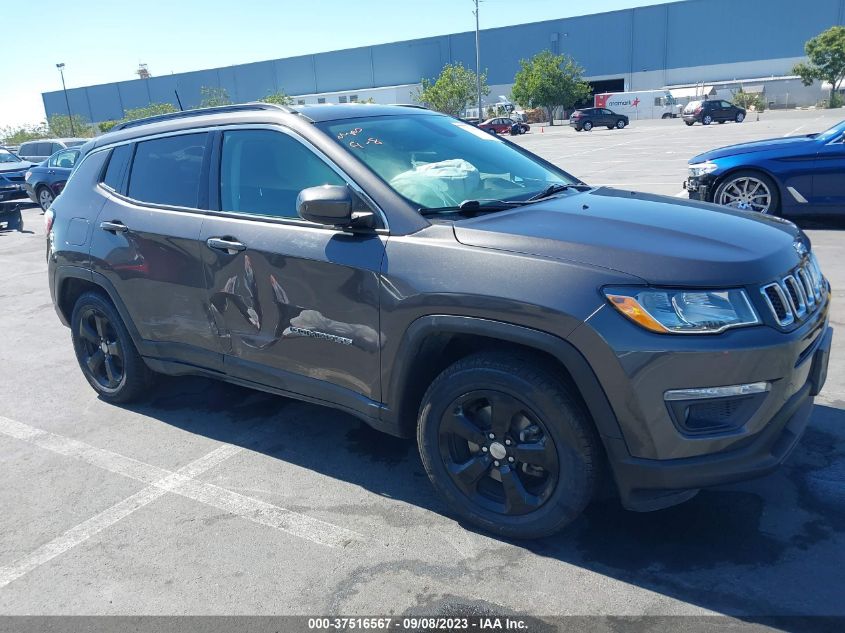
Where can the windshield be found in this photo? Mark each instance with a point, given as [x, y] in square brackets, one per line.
[831, 133]
[7, 157]
[436, 161]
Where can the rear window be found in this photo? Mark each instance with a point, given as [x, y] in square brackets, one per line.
[167, 170]
[116, 170]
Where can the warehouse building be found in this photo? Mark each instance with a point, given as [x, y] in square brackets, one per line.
[717, 43]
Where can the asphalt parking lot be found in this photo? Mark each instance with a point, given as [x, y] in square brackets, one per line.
[213, 499]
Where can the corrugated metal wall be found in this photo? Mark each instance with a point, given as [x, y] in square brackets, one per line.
[671, 36]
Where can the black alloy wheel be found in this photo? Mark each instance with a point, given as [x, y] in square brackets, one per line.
[498, 452]
[105, 351]
[508, 445]
[101, 354]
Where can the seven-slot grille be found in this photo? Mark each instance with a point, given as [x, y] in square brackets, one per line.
[797, 295]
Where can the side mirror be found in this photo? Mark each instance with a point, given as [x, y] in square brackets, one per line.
[332, 205]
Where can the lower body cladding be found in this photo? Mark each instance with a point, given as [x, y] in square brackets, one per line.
[711, 411]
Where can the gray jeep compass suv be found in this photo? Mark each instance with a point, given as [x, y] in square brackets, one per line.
[436, 281]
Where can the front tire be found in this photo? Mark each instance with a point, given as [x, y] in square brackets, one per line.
[620, 124]
[748, 191]
[707, 120]
[105, 352]
[740, 117]
[508, 446]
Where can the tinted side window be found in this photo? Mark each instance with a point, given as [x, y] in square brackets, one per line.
[262, 172]
[168, 170]
[55, 147]
[26, 149]
[118, 161]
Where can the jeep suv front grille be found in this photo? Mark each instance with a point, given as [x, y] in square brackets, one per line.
[796, 296]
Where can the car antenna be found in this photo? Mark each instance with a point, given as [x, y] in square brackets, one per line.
[179, 101]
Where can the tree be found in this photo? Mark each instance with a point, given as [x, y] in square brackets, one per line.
[452, 90]
[212, 97]
[279, 98]
[749, 100]
[826, 53]
[549, 81]
[133, 114]
[23, 133]
[59, 125]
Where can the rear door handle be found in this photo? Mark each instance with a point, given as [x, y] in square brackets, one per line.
[114, 227]
[220, 244]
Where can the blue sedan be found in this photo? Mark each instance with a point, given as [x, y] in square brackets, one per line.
[782, 176]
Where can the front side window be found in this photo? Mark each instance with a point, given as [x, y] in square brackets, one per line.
[262, 173]
[437, 161]
[167, 170]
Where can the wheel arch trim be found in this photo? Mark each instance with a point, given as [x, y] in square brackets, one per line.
[563, 351]
[65, 273]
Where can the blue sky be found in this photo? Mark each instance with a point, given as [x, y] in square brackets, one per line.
[101, 41]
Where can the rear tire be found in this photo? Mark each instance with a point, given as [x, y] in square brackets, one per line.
[587, 126]
[690, 123]
[539, 470]
[105, 351]
[45, 197]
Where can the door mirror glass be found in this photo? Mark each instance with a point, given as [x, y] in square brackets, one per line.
[327, 204]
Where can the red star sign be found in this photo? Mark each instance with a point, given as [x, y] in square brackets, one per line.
[635, 102]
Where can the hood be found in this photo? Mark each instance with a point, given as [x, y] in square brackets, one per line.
[662, 240]
[16, 166]
[789, 143]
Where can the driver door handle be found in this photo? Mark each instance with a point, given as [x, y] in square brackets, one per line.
[114, 227]
[221, 244]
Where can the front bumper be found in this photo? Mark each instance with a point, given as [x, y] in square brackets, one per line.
[659, 458]
[11, 192]
[700, 187]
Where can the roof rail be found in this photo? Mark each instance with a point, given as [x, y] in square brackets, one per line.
[239, 107]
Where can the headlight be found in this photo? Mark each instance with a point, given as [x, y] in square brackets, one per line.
[699, 169]
[684, 311]
[27, 175]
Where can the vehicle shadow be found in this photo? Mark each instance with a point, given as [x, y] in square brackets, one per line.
[767, 547]
[821, 223]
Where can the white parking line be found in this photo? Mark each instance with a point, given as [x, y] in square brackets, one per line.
[161, 481]
[85, 530]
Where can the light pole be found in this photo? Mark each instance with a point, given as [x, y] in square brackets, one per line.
[61, 68]
[478, 64]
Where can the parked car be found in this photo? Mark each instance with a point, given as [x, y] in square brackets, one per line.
[12, 170]
[588, 118]
[780, 176]
[440, 283]
[45, 181]
[42, 149]
[504, 125]
[710, 110]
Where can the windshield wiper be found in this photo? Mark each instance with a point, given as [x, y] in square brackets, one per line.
[556, 188]
[475, 205]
